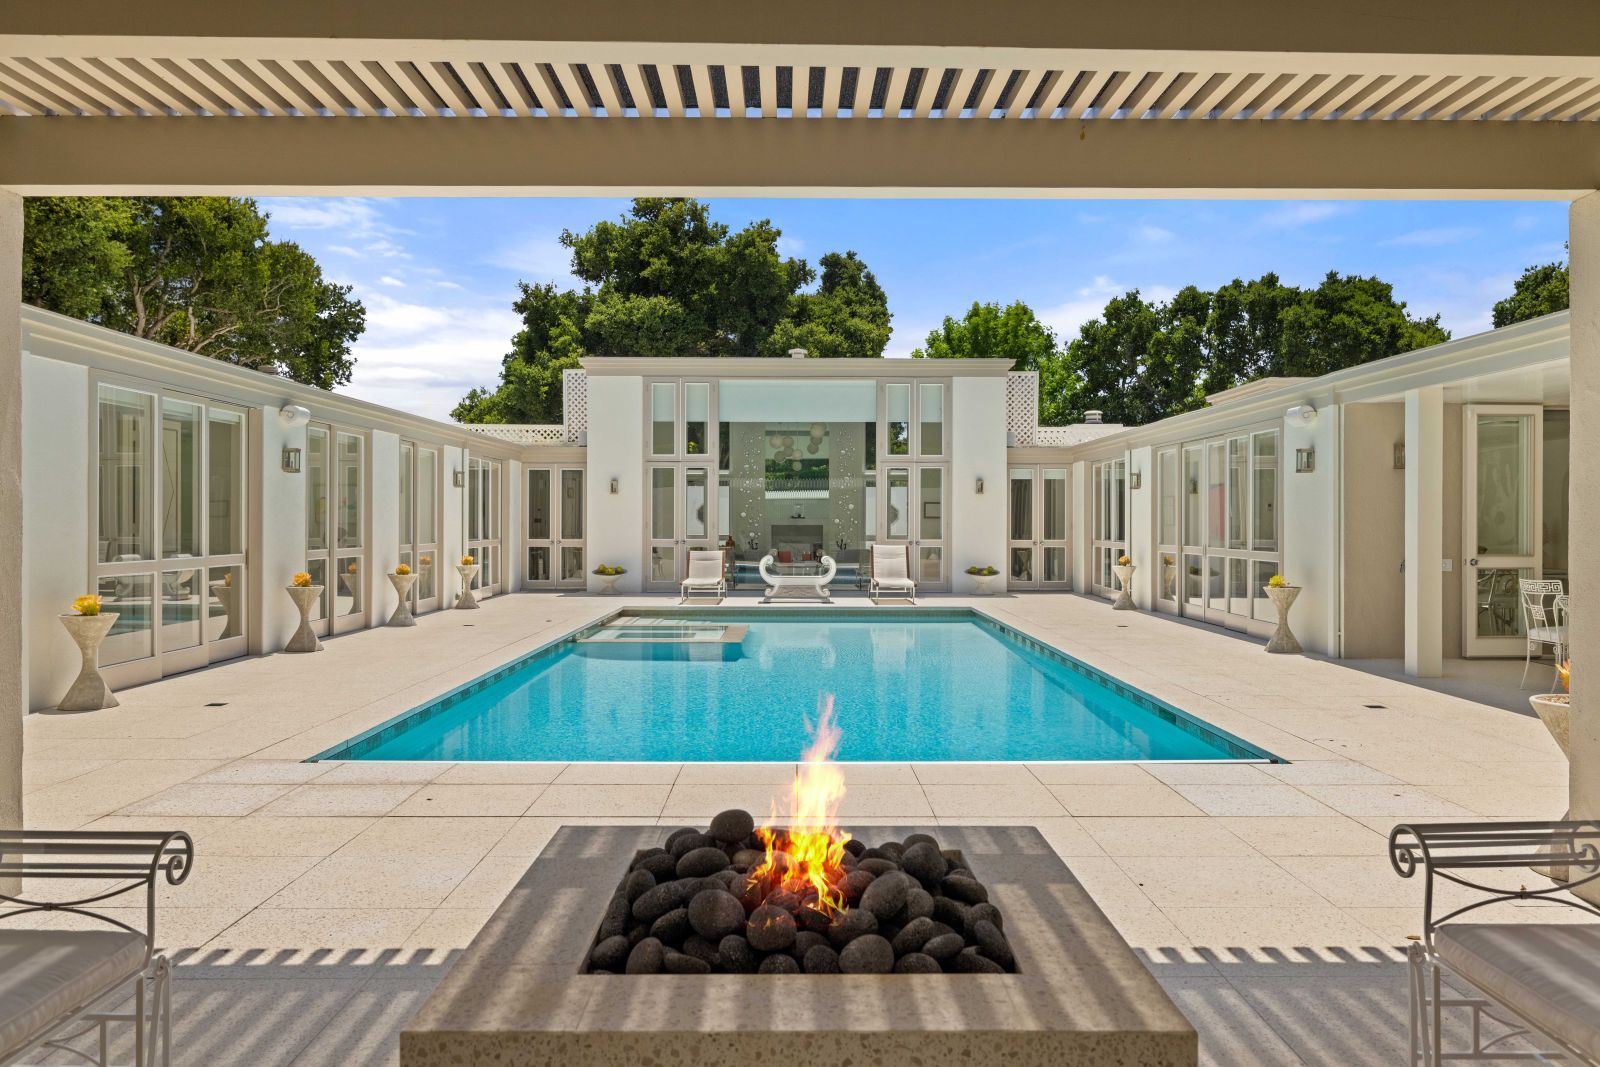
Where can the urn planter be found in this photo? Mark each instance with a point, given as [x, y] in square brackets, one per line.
[1283, 639]
[983, 584]
[608, 583]
[224, 594]
[89, 691]
[305, 638]
[1555, 711]
[402, 588]
[1124, 573]
[468, 573]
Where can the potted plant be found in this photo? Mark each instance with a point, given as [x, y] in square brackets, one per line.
[1555, 711]
[1124, 572]
[1282, 595]
[87, 625]
[402, 579]
[983, 580]
[609, 574]
[304, 594]
[468, 569]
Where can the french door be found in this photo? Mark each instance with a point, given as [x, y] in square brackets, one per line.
[555, 548]
[682, 517]
[1169, 499]
[419, 522]
[483, 523]
[1227, 493]
[913, 502]
[1109, 482]
[336, 527]
[1037, 528]
[1501, 523]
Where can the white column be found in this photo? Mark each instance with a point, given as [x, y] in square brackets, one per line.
[11, 572]
[1141, 529]
[1424, 538]
[385, 525]
[277, 531]
[1583, 523]
[1082, 534]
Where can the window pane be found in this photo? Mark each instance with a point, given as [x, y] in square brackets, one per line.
[696, 417]
[694, 501]
[663, 418]
[1055, 507]
[1021, 563]
[571, 563]
[663, 563]
[931, 562]
[1239, 587]
[316, 465]
[125, 464]
[538, 563]
[1261, 604]
[131, 638]
[427, 573]
[572, 506]
[180, 479]
[348, 516]
[1167, 476]
[1216, 486]
[226, 613]
[474, 505]
[318, 569]
[1499, 606]
[347, 597]
[930, 408]
[1238, 461]
[407, 513]
[226, 492]
[1193, 515]
[1555, 475]
[661, 503]
[1264, 504]
[427, 496]
[1505, 485]
[899, 503]
[1055, 564]
[538, 506]
[181, 606]
[1167, 579]
[932, 485]
[1021, 505]
[897, 403]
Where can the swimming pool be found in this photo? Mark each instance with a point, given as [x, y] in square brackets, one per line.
[914, 684]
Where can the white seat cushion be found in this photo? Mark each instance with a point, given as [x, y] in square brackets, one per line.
[45, 974]
[1547, 973]
[1548, 634]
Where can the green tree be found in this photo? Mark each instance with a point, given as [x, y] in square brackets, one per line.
[198, 273]
[1540, 291]
[991, 332]
[668, 280]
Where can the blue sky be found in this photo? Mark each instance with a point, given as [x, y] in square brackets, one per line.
[438, 275]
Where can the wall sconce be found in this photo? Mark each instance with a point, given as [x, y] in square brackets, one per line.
[1136, 479]
[615, 486]
[294, 416]
[1305, 460]
[1303, 412]
[1399, 455]
[458, 478]
[979, 487]
[291, 460]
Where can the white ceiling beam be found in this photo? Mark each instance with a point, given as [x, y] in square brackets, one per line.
[927, 91]
[1213, 93]
[767, 83]
[46, 78]
[387, 88]
[348, 84]
[1176, 92]
[1148, 91]
[989, 96]
[1472, 107]
[1576, 105]
[143, 87]
[449, 89]
[1451, 87]
[896, 92]
[1542, 104]
[25, 95]
[700, 78]
[610, 98]
[1512, 106]
[222, 87]
[497, 85]
[576, 93]
[1084, 94]
[1040, 83]
[1339, 99]
[285, 87]
[670, 93]
[960, 89]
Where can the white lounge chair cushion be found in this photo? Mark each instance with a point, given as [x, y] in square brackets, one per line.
[1550, 635]
[46, 973]
[1548, 973]
[702, 583]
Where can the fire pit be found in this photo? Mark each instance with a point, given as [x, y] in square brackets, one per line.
[737, 900]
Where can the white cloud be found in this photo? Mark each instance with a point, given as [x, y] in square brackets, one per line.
[790, 247]
[390, 279]
[1435, 237]
[1294, 216]
[1153, 234]
[448, 285]
[326, 213]
[538, 258]
[1088, 303]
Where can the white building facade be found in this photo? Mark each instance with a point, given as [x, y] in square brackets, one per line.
[187, 493]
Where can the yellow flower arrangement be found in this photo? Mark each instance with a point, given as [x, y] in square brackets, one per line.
[404, 568]
[227, 579]
[88, 604]
[1564, 672]
[426, 561]
[352, 568]
[610, 570]
[1123, 560]
[467, 561]
[1277, 581]
[302, 580]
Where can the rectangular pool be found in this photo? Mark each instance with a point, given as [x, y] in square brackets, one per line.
[908, 685]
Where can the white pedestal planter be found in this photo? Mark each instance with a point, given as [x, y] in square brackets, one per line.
[983, 584]
[468, 573]
[1283, 639]
[89, 691]
[608, 583]
[1555, 711]
[305, 638]
[1124, 601]
[224, 594]
[402, 612]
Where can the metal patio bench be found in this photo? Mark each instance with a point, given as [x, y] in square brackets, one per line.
[59, 985]
[1540, 979]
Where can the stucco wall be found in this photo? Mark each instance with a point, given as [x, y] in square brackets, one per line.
[977, 524]
[1452, 639]
[385, 528]
[1374, 532]
[1310, 529]
[616, 450]
[277, 529]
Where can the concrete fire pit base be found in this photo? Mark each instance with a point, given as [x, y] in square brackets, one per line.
[516, 998]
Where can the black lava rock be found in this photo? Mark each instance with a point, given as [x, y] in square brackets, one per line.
[992, 944]
[868, 954]
[966, 890]
[661, 864]
[654, 903]
[923, 862]
[609, 955]
[810, 918]
[702, 862]
[615, 920]
[877, 865]
[887, 894]
[678, 834]
[682, 846]
[856, 847]
[779, 963]
[919, 839]
[919, 905]
[822, 959]
[646, 854]
[980, 913]
[914, 935]
[683, 963]
[671, 928]
[637, 933]
[952, 913]
[944, 946]
[804, 942]
[967, 961]
[701, 949]
[749, 858]
[715, 914]
[916, 963]
[852, 924]
[855, 883]
[732, 826]
[735, 955]
[634, 886]
[892, 849]
[770, 929]
[647, 957]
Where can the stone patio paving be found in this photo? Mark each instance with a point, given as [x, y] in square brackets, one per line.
[328, 898]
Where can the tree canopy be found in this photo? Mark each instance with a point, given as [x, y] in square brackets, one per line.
[1540, 291]
[990, 331]
[197, 273]
[668, 280]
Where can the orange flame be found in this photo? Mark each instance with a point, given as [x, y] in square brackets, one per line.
[805, 859]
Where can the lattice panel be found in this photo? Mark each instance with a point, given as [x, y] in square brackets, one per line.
[575, 403]
[524, 434]
[1022, 406]
[1067, 436]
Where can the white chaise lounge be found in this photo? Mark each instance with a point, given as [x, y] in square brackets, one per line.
[56, 985]
[798, 585]
[1543, 979]
[706, 577]
[891, 573]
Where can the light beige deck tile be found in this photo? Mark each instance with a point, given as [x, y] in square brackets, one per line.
[439, 800]
[1152, 799]
[1313, 926]
[250, 772]
[736, 774]
[1026, 800]
[1007, 774]
[449, 928]
[323, 798]
[1268, 798]
[376, 772]
[500, 773]
[208, 799]
[1327, 772]
[1206, 881]
[1176, 836]
[360, 881]
[885, 801]
[642, 801]
[308, 929]
[487, 884]
[262, 835]
[1305, 836]
[877, 774]
[234, 883]
[467, 839]
[1233, 1034]
[619, 774]
[1209, 773]
[700, 802]
[1384, 800]
[1092, 774]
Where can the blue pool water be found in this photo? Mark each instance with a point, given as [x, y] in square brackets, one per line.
[951, 686]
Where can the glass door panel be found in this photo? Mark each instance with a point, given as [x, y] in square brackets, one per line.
[930, 526]
[1022, 571]
[426, 493]
[662, 565]
[540, 528]
[569, 526]
[1169, 496]
[1503, 481]
[1055, 542]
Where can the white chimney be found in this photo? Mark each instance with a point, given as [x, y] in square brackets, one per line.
[1093, 418]
[798, 353]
